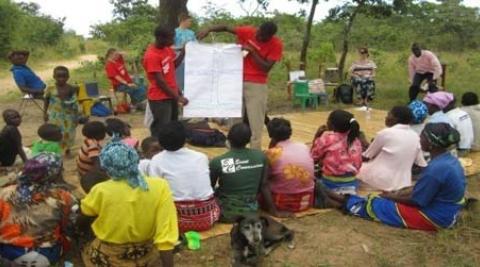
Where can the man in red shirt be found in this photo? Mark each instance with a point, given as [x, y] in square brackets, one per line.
[163, 95]
[262, 50]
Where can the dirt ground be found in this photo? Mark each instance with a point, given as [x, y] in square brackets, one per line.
[330, 239]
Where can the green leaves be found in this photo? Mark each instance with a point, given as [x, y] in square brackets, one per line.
[23, 26]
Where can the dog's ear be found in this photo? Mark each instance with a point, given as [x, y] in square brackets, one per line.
[239, 218]
[265, 221]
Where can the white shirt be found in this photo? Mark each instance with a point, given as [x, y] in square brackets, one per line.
[143, 166]
[186, 171]
[439, 117]
[392, 154]
[418, 128]
[474, 112]
[463, 123]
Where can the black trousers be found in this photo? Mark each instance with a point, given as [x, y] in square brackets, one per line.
[417, 81]
[163, 111]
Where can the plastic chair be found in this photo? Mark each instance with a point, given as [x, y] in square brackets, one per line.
[28, 99]
[302, 94]
[88, 94]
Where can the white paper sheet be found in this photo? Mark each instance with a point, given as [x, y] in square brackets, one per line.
[213, 80]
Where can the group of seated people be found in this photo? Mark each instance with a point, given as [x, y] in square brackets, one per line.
[121, 81]
[141, 197]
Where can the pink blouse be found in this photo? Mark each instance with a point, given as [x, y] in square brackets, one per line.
[336, 157]
[290, 168]
[392, 154]
[131, 142]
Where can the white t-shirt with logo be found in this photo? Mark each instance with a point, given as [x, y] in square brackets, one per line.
[463, 123]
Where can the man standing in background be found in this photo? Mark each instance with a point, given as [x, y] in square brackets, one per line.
[423, 65]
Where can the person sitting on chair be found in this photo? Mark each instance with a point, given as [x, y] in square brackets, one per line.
[27, 81]
[120, 79]
[362, 73]
[423, 65]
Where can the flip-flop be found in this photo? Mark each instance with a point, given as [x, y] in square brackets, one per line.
[193, 240]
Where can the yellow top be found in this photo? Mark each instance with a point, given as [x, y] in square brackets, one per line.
[128, 215]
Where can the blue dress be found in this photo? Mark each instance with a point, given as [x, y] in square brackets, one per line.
[438, 196]
[182, 36]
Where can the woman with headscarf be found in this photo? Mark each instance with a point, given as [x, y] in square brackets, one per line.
[36, 215]
[134, 215]
[420, 113]
[432, 204]
[436, 102]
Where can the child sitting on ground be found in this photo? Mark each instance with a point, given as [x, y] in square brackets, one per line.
[87, 160]
[11, 139]
[150, 147]
[338, 150]
[122, 129]
[51, 136]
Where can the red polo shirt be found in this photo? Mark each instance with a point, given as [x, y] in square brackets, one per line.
[271, 50]
[117, 68]
[162, 61]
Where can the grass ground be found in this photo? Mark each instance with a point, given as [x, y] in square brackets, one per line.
[334, 239]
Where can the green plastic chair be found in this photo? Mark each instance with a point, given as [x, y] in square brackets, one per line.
[302, 95]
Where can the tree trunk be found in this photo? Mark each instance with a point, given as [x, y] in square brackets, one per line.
[346, 36]
[306, 37]
[169, 11]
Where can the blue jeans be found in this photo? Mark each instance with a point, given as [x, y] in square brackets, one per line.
[137, 94]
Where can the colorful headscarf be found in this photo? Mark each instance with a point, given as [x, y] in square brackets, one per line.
[441, 134]
[121, 163]
[38, 175]
[419, 111]
[440, 99]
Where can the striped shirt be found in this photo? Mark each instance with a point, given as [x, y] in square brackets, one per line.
[90, 149]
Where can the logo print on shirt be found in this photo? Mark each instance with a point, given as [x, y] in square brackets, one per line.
[228, 165]
[165, 65]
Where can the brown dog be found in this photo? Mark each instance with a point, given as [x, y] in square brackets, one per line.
[254, 236]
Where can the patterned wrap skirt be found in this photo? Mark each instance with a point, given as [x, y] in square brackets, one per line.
[103, 254]
[341, 184]
[364, 88]
[397, 214]
[297, 202]
[197, 215]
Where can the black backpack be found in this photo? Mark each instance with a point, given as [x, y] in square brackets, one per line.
[206, 137]
[344, 93]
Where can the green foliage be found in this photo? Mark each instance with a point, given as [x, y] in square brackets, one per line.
[133, 30]
[24, 27]
[8, 14]
[122, 9]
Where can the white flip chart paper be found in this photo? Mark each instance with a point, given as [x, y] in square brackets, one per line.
[213, 80]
